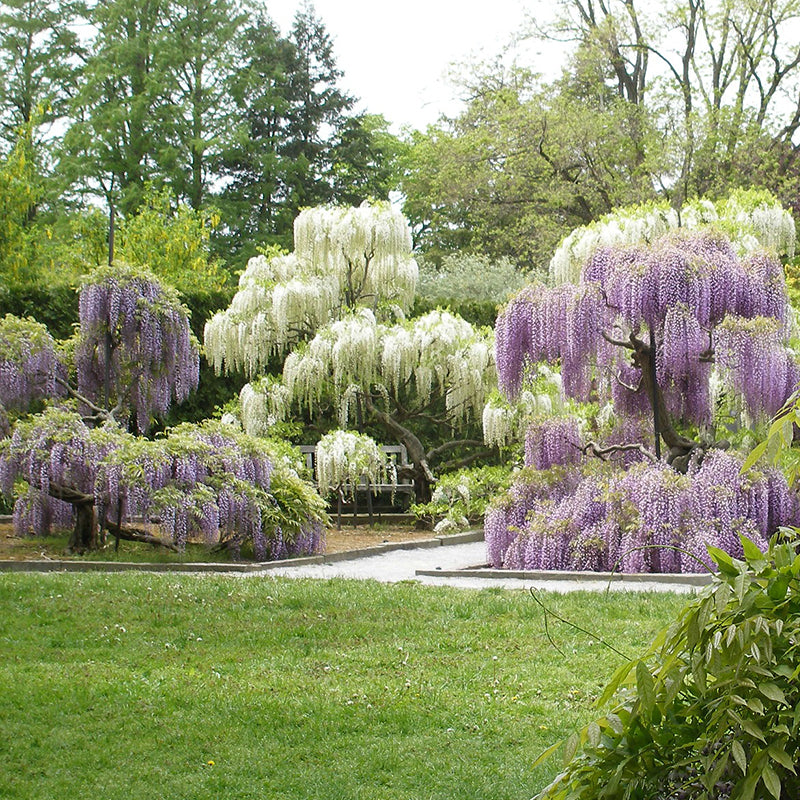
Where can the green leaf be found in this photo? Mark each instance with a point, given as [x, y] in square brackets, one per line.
[615, 723]
[771, 781]
[739, 756]
[547, 753]
[616, 681]
[755, 705]
[779, 755]
[593, 734]
[777, 588]
[772, 691]
[570, 748]
[722, 560]
[751, 549]
[645, 686]
[750, 727]
[755, 454]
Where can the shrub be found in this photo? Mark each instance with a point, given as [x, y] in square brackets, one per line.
[461, 498]
[711, 710]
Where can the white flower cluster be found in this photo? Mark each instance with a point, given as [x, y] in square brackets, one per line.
[623, 226]
[367, 250]
[358, 255]
[752, 219]
[346, 459]
[505, 422]
[262, 404]
[438, 352]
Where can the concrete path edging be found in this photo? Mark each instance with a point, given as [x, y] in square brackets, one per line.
[69, 565]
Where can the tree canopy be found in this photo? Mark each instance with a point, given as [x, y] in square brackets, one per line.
[77, 461]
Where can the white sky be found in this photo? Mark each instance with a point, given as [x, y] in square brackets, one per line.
[395, 55]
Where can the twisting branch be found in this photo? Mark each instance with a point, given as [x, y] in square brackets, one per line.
[439, 451]
[632, 388]
[619, 343]
[603, 453]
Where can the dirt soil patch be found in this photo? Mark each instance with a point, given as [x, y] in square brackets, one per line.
[350, 537]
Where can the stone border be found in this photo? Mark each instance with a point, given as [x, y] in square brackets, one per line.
[61, 565]
[689, 578]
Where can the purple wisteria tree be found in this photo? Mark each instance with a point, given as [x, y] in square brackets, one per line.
[29, 365]
[666, 334]
[80, 462]
[135, 353]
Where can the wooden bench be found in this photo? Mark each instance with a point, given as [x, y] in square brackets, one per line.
[397, 455]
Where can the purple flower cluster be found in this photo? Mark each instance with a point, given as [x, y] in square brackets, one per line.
[541, 324]
[551, 441]
[758, 365]
[206, 482]
[135, 333]
[630, 520]
[29, 364]
[310, 540]
[202, 481]
[682, 287]
[52, 449]
[700, 271]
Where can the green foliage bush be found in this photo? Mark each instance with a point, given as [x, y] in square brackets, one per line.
[461, 498]
[712, 711]
[470, 277]
[54, 305]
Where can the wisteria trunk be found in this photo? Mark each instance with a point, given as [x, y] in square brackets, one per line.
[679, 446]
[421, 473]
[84, 534]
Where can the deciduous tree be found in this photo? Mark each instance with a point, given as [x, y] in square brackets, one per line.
[338, 303]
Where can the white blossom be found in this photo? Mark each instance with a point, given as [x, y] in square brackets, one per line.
[346, 459]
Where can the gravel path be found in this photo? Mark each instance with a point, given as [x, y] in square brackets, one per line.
[463, 565]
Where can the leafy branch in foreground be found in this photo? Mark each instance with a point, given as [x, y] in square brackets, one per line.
[712, 710]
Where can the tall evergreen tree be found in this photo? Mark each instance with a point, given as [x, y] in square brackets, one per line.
[253, 165]
[317, 111]
[199, 44]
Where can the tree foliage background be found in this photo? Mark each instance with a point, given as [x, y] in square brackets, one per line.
[202, 103]
[688, 99]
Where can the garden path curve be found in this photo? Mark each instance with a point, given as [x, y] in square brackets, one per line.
[456, 561]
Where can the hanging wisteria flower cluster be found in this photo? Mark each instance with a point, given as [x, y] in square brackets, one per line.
[436, 353]
[506, 421]
[753, 219]
[207, 482]
[553, 441]
[346, 460]
[603, 519]
[29, 363]
[135, 349]
[344, 258]
[682, 287]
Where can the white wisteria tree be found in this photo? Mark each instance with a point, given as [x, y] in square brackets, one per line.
[336, 309]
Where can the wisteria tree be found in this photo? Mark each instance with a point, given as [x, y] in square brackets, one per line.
[81, 463]
[337, 306]
[666, 335]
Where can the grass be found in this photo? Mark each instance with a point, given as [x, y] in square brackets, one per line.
[159, 686]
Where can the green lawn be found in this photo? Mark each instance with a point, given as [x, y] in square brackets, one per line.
[138, 686]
